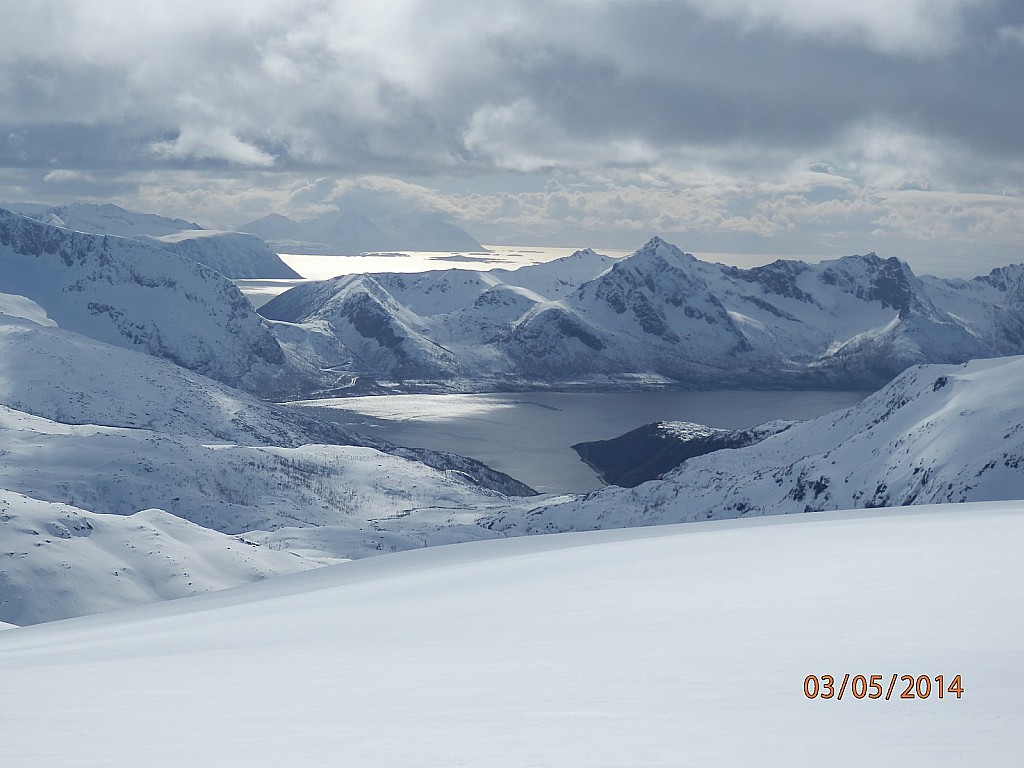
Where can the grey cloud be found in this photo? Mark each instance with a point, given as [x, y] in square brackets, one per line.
[254, 99]
[658, 72]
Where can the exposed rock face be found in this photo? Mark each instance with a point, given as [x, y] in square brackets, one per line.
[648, 452]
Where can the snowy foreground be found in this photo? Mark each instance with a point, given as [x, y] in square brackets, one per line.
[671, 646]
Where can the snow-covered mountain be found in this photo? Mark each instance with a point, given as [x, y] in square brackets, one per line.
[936, 434]
[120, 362]
[122, 432]
[131, 294]
[234, 254]
[112, 428]
[681, 645]
[852, 322]
[341, 232]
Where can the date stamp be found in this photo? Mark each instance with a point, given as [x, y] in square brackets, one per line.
[874, 687]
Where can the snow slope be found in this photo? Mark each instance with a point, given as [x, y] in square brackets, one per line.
[851, 322]
[936, 434]
[114, 430]
[223, 486]
[67, 377]
[234, 254]
[664, 647]
[58, 561]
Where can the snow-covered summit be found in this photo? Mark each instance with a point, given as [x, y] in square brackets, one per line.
[857, 321]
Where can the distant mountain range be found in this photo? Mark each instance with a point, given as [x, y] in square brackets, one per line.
[663, 314]
[103, 219]
[132, 380]
[348, 233]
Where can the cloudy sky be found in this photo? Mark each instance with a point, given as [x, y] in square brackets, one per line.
[796, 127]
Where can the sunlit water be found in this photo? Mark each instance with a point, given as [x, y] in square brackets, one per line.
[529, 435]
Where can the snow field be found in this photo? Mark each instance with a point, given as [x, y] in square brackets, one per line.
[671, 646]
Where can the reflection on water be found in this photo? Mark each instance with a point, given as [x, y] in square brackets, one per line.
[529, 435]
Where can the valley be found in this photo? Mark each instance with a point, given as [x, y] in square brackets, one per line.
[529, 435]
[373, 413]
[559, 384]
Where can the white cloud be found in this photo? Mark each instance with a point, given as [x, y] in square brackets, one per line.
[65, 175]
[212, 144]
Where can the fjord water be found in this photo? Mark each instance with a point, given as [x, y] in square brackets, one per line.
[529, 435]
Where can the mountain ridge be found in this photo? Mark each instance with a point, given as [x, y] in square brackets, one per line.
[854, 322]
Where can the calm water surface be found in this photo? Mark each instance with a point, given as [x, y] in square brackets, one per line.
[529, 435]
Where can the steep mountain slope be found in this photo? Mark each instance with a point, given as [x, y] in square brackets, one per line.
[936, 434]
[342, 232]
[685, 645]
[856, 321]
[234, 254]
[134, 295]
[435, 325]
[379, 333]
[58, 561]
